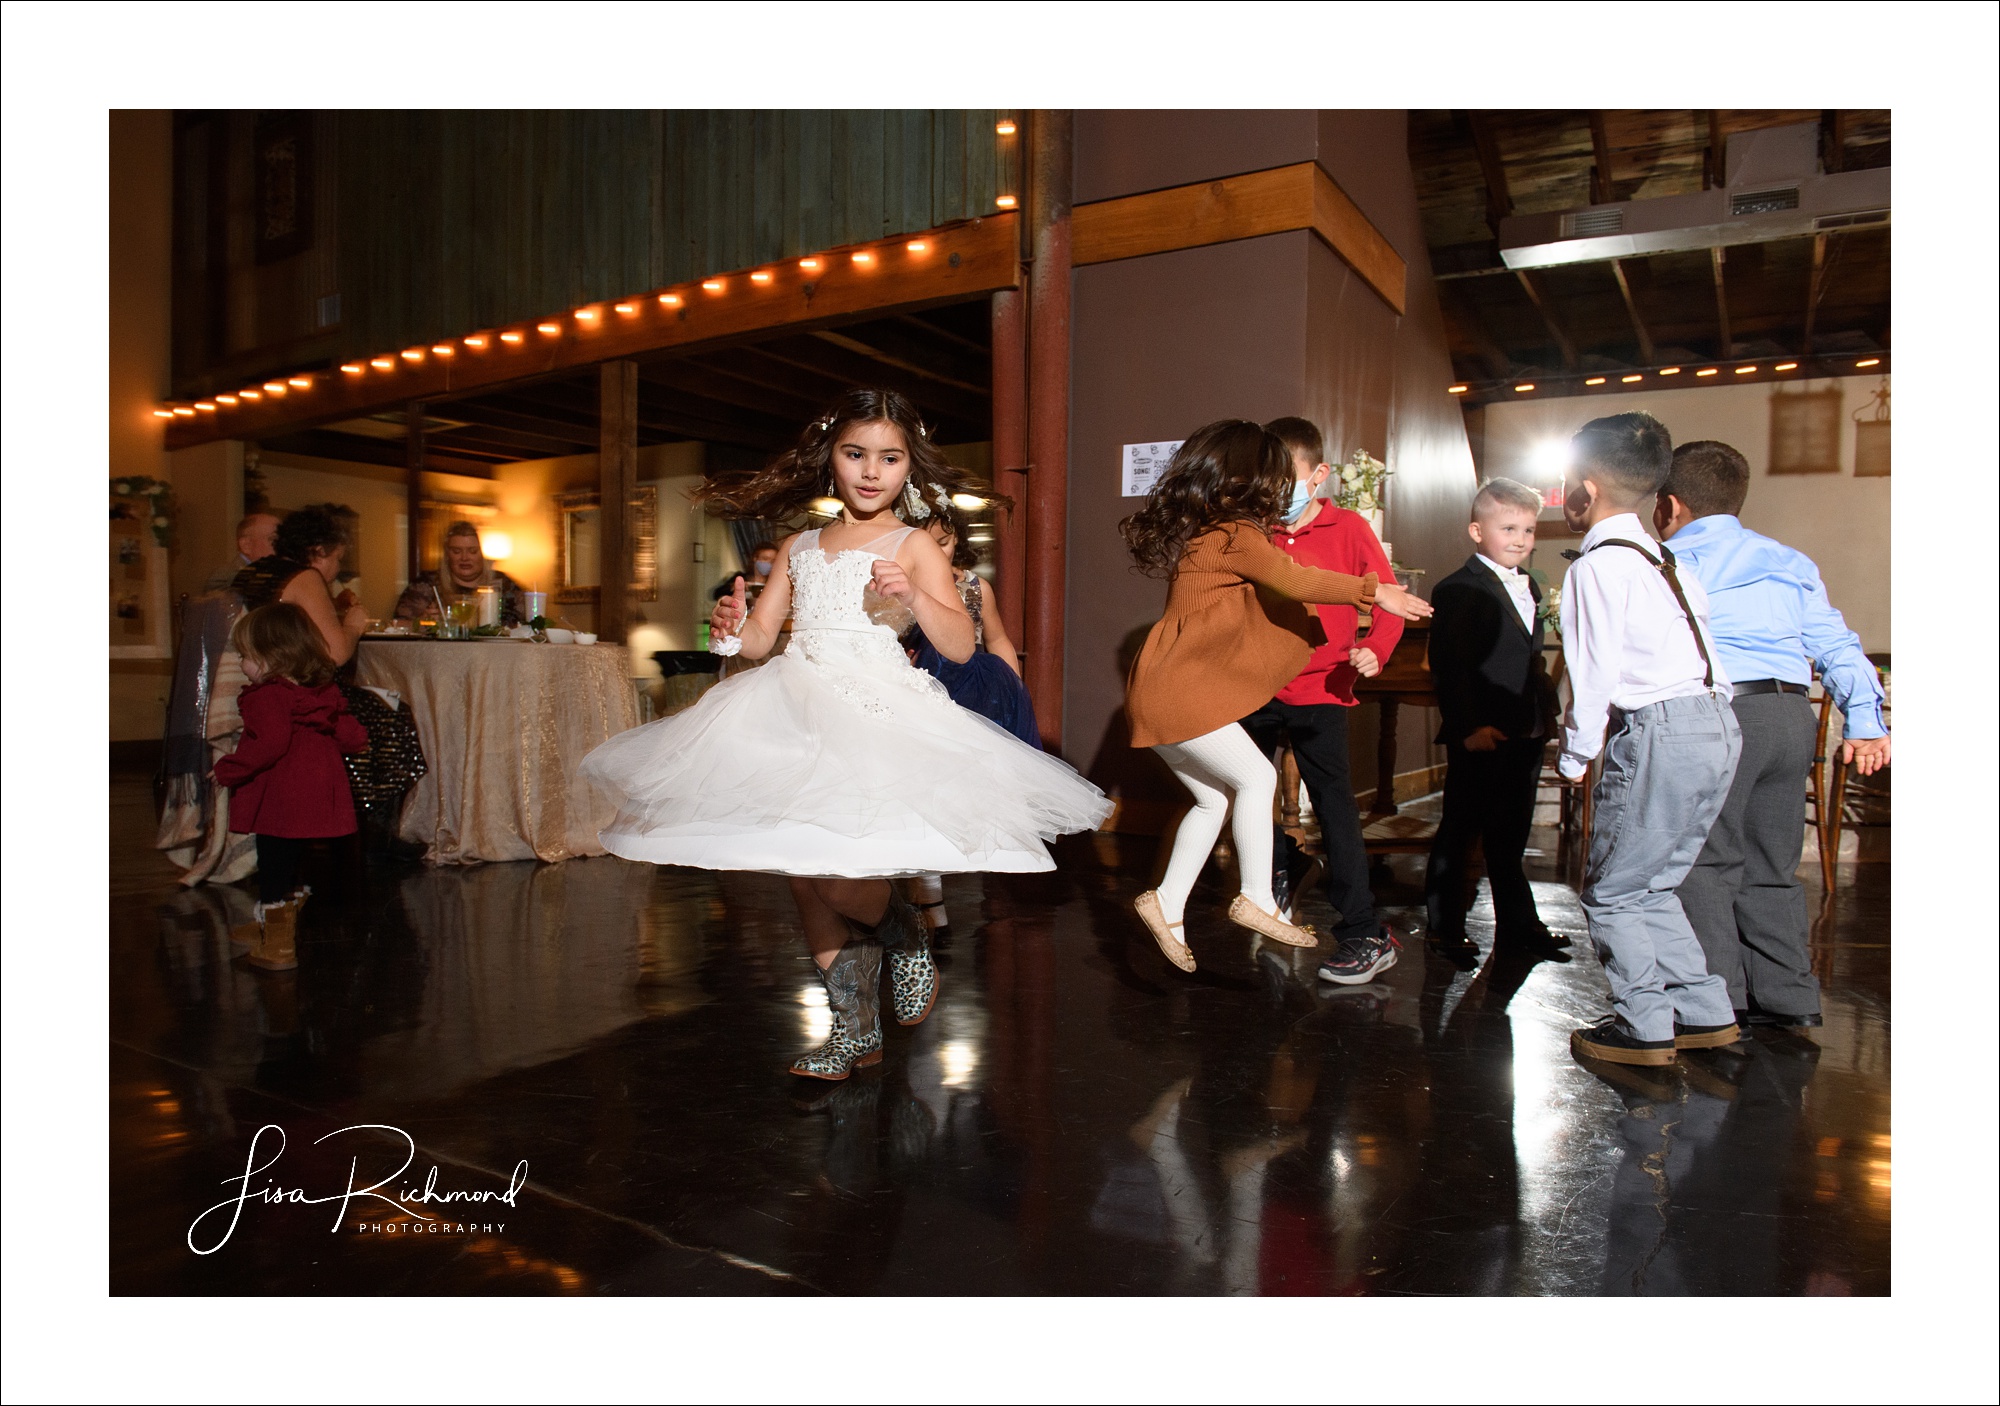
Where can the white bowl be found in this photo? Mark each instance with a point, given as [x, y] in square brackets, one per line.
[584, 637]
[557, 636]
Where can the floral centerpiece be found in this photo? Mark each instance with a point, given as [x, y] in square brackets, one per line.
[157, 494]
[1358, 484]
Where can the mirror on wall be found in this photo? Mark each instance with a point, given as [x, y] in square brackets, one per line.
[579, 546]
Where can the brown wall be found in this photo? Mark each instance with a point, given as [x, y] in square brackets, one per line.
[1257, 328]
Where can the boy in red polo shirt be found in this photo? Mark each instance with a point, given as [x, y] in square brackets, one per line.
[1312, 708]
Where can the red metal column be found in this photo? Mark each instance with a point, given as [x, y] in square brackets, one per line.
[1048, 416]
[1010, 453]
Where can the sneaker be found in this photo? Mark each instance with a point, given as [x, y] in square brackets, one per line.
[1360, 960]
[1705, 1037]
[1289, 885]
[1611, 1042]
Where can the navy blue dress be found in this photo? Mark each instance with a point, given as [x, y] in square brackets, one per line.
[982, 683]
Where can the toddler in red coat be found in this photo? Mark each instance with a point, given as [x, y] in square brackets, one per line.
[287, 781]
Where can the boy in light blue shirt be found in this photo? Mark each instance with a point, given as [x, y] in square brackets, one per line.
[1771, 621]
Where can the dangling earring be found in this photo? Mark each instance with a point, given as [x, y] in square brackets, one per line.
[914, 505]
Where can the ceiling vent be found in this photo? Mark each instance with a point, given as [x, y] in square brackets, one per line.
[1763, 202]
[1859, 217]
[1582, 224]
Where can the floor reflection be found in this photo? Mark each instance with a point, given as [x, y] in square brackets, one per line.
[1074, 1117]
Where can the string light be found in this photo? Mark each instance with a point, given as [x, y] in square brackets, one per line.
[761, 276]
[585, 314]
[1457, 390]
[670, 300]
[164, 414]
[862, 256]
[184, 410]
[476, 343]
[917, 246]
[226, 399]
[353, 368]
[1871, 361]
[712, 285]
[444, 349]
[275, 387]
[1786, 366]
[383, 363]
[548, 329]
[1595, 381]
[253, 395]
[1524, 386]
[809, 265]
[1005, 127]
[413, 354]
[512, 339]
[1006, 202]
[1706, 371]
[204, 405]
[625, 309]
[1628, 380]
[304, 383]
[1670, 371]
[1745, 370]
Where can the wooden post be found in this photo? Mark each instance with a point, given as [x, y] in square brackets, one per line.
[618, 486]
[413, 488]
[1048, 417]
[1010, 452]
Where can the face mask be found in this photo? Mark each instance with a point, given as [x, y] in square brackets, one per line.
[762, 568]
[1301, 498]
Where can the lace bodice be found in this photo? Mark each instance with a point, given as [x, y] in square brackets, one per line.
[829, 594]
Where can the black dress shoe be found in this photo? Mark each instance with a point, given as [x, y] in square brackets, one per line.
[1459, 951]
[1541, 932]
[1542, 945]
[1787, 1022]
[1705, 1037]
[1611, 1042]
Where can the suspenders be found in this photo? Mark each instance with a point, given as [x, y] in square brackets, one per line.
[1665, 565]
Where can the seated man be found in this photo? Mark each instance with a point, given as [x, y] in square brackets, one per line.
[466, 569]
[256, 538]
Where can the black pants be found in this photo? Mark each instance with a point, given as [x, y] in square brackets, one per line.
[278, 861]
[1319, 743]
[1743, 895]
[1488, 796]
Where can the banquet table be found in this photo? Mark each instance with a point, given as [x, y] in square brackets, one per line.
[504, 725]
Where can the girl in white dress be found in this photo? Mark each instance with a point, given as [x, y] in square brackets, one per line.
[838, 764]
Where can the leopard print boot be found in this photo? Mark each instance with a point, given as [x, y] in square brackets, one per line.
[913, 975]
[853, 983]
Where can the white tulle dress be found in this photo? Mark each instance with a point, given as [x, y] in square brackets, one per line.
[837, 758]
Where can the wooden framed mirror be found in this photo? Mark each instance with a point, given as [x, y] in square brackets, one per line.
[579, 566]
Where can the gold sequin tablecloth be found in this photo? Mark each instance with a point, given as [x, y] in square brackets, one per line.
[504, 725]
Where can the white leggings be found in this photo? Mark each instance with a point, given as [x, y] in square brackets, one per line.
[1219, 768]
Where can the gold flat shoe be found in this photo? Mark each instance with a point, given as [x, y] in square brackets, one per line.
[1246, 914]
[1147, 906]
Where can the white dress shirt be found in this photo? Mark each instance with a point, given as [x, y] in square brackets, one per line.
[1626, 642]
[1516, 582]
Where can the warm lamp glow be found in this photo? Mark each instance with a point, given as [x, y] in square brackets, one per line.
[1670, 371]
[496, 546]
[512, 339]
[1457, 390]
[548, 329]
[968, 501]
[353, 368]
[1524, 386]
[761, 276]
[1745, 370]
[1706, 371]
[302, 382]
[713, 285]
[1628, 380]
[204, 405]
[1006, 202]
[809, 265]
[444, 349]
[625, 309]
[226, 399]
[1005, 127]
[383, 363]
[1598, 381]
[476, 343]
[585, 314]
[164, 414]
[826, 507]
[184, 410]
[670, 300]
[253, 395]
[917, 246]
[1786, 366]
[274, 387]
[413, 354]
[862, 256]
[1871, 361]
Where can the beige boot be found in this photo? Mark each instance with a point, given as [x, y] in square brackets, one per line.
[277, 947]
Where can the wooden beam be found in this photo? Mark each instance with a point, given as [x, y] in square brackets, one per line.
[693, 378]
[618, 488]
[413, 487]
[1715, 160]
[1277, 201]
[382, 453]
[1601, 179]
[909, 344]
[1469, 322]
[1556, 333]
[1050, 164]
[852, 368]
[1499, 200]
[1815, 290]
[912, 362]
[1717, 258]
[1632, 311]
[959, 261]
[1010, 452]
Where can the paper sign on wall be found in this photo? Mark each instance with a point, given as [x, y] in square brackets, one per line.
[1144, 463]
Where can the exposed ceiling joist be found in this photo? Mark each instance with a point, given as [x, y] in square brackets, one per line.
[1556, 333]
[1639, 331]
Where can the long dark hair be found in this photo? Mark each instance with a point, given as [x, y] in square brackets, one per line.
[1228, 471]
[787, 486]
[317, 527]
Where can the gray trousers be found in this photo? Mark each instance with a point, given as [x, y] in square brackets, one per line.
[1743, 894]
[1667, 768]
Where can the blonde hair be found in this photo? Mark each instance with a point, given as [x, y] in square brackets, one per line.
[1498, 493]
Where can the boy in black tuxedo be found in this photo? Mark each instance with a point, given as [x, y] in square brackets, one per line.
[1493, 692]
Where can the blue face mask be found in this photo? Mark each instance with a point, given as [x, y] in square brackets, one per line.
[762, 568]
[1301, 499]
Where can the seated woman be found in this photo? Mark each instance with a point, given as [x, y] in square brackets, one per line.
[465, 570]
[312, 543]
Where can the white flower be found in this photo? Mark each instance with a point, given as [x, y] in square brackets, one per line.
[1350, 474]
[1365, 503]
[159, 522]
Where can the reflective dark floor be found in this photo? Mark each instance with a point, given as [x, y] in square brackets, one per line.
[1074, 1118]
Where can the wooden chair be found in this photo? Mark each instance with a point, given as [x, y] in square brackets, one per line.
[1822, 808]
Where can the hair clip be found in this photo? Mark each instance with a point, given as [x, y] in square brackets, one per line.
[913, 501]
[942, 498]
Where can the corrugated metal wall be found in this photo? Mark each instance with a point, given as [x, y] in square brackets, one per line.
[452, 221]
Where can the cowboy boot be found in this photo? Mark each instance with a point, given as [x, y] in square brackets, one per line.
[243, 937]
[277, 945]
[853, 981]
[913, 976]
